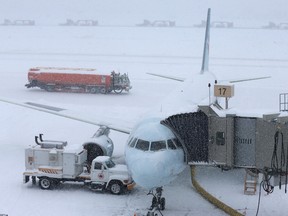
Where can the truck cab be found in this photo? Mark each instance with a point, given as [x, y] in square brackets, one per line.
[106, 174]
[120, 82]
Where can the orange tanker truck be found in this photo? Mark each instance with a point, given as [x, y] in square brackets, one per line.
[77, 80]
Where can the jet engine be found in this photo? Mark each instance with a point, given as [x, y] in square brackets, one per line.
[99, 144]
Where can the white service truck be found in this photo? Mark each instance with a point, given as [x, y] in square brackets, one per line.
[52, 164]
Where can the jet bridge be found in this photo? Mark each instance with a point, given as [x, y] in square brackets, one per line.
[229, 140]
[191, 129]
[250, 142]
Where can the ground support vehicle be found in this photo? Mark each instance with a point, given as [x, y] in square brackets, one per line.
[70, 22]
[77, 80]
[52, 164]
[8, 22]
[158, 23]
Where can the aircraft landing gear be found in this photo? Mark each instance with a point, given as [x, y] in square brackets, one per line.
[158, 202]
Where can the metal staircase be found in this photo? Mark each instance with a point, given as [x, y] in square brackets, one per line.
[250, 182]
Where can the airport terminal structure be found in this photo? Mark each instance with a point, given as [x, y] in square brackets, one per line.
[214, 136]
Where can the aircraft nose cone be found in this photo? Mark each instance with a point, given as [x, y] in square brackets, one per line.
[147, 173]
[154, 169]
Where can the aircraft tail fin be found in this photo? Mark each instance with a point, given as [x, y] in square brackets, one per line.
[205, 59]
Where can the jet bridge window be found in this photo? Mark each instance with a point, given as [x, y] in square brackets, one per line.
[220, 138]
[142, 145]
[158, 145]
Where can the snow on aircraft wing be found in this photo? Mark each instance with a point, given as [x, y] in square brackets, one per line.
[180, 79]
[247, 79]
[168, 77]
[67, 114]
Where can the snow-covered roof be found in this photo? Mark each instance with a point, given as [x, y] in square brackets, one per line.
[64, 70]
[101, 159]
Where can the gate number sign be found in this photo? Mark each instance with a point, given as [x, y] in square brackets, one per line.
[224, 91]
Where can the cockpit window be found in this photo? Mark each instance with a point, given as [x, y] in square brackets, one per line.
[158, 145]
[177, 142]
[142, 145]
[171, 144]
[132, 142]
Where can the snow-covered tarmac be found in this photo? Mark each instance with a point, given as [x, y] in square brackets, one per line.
[235, 53]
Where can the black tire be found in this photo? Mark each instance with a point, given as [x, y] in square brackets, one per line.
[103, 91]
[93, 90]
[49, 88]
[33, 180]
[162, 204]
[46, 183]
[154, 202]
[116, 187]
[118, 90]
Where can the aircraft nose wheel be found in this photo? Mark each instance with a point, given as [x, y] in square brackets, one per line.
[158, 202]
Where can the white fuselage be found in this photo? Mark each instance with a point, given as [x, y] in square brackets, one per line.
[152, 155]
[152, 168]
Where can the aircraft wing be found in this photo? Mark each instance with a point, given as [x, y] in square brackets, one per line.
[168, 77]
[67, 114]
[230, 81]
[248, 79]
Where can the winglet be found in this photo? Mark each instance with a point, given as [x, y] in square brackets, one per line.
[205, 60]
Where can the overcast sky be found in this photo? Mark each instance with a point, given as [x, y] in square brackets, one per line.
[128, 11]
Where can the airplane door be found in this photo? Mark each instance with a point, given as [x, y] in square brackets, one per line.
[245, 141]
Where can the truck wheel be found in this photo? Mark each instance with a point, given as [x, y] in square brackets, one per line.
[116, 187]
[49, 88]
[45, 183]
[33, 180]
[162, 203]
[103, 91]
[118, 90]
[93, 90]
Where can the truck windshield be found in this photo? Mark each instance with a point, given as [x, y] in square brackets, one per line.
[110, 163]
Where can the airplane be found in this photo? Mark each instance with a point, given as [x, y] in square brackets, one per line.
[153, 154]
